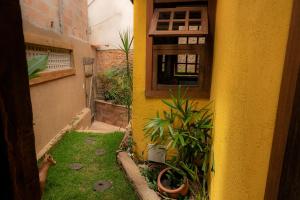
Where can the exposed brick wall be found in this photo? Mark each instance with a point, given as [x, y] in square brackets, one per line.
[68, 17]
[111, 58]
[107, 59]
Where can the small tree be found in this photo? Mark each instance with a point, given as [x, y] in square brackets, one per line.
[127, 40]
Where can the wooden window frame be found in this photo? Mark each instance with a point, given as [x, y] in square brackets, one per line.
[170, 32]
[181, 49]
[194, 92]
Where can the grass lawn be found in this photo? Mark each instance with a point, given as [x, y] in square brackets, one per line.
[66, 184]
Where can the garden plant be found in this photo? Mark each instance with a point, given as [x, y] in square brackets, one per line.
[187, 129]
[117, 81]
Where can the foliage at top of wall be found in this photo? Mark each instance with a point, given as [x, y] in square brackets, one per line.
[114, 85]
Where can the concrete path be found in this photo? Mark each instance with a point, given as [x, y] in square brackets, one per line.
[101, 127]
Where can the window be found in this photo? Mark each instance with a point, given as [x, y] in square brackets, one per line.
[179, 21]
[178, 47]
[60, 62]
[58, 58]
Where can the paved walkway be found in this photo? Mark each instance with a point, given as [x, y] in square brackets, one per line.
[101, 127]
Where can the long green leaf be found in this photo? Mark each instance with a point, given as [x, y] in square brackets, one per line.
[168, 104]
[37, 64]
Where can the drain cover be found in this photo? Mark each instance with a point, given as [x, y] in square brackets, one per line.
[100, 152]
[75, 166]
[100, 186]
[90, 141]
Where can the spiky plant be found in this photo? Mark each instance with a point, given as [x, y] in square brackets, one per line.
[126, 44]
[187, 129]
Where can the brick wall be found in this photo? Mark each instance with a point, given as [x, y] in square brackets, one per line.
[107, 59]
[68, 17]
[111, 58]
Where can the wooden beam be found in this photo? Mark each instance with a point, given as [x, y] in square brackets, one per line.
[51, 75]
[177, 1]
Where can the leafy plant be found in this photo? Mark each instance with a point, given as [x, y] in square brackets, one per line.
[188, 129]
[127, 41]
[173, 179]
[114, 81]
[150, 175]
[117, 81]
[37, 64]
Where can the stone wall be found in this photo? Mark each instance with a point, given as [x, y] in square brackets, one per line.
[68, 17]
[111, 113]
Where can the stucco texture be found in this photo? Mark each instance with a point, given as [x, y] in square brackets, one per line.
[250, 45]
[249, 51]
[56, 103]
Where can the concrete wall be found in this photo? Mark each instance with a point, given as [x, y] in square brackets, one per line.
[68, 17]
[55, 103]
[106, 19]
[248, 62]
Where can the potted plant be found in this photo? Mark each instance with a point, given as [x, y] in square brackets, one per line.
[172, 183]
[187, 129]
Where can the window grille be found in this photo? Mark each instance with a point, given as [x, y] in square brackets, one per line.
[58, 58]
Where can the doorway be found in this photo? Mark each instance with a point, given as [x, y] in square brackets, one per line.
[283, 182]
[289, 187]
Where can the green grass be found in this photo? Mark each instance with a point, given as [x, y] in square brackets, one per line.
[66, 184]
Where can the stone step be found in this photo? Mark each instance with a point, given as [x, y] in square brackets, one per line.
[101, 127]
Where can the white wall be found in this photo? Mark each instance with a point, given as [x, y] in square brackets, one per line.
[106, 19]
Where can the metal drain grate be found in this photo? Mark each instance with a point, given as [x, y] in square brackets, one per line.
[100, 186]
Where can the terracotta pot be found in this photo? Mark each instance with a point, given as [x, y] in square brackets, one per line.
[173, 193]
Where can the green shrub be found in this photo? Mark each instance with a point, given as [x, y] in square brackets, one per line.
[116, 87]
[117, 81]
[188, 129]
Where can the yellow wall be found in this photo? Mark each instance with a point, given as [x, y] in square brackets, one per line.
[143, 108]
[250, 45]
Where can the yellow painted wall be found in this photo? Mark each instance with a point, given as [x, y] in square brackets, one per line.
[250, 44]
[143, 108]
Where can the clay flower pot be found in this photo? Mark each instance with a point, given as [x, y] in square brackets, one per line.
[173, 193]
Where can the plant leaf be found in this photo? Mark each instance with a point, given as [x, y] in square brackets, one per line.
[37, 64]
